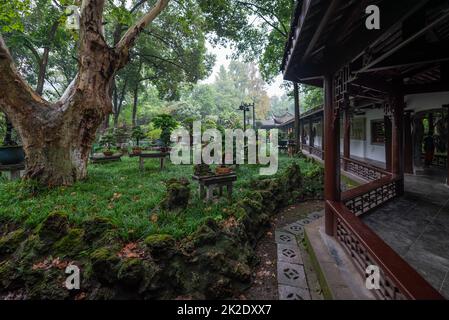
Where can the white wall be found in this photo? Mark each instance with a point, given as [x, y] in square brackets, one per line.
[426, 101]
[365, 149]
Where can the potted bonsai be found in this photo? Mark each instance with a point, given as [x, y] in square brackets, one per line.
[121, 138]
[107, 141]
[137, 134]
[10, 151]
[166, 124]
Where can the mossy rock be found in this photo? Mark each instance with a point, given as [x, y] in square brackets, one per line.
[96, 227]
[160, 244]
[104, 264]
[48, 285]
[54, 227]
[7, 274]
[136, 273]
[177, 195]
[72, 244]
[10, 241]
[30, 250]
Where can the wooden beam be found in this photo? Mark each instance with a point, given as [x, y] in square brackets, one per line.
[394, 13]
[412, 56]
[374, 83]
[407, 41]
[318, 31]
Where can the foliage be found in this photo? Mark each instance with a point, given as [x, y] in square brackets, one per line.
[108, 139]
[166, 123]
[138, 134]
[124, 195]
[312, 97]
[11, 14]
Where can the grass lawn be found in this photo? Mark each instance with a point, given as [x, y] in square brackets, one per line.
[126, 196]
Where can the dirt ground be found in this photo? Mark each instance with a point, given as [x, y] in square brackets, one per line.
[265, 286]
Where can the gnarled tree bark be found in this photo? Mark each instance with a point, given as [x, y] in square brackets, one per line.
[57, 137]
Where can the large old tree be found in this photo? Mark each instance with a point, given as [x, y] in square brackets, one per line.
[57, 137]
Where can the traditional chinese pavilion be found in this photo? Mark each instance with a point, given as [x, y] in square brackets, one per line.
[385, 91]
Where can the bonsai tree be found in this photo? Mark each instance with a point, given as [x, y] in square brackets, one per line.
[167, 124]
[138, 134]
[107, 141]
[121, 135]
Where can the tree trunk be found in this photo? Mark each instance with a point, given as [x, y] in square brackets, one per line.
[136, 97]
[57, 137]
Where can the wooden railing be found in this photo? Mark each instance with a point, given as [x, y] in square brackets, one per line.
[369, 196]
[398, 280]
[317, 152]
[363, 170]
[439, 160]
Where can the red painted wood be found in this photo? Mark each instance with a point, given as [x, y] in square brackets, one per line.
[332, 152]
[405, 278]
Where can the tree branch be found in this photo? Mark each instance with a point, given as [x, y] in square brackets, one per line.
[17, 97]
[91, 24]
[134, 31]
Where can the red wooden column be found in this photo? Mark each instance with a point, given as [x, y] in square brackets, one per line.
[322, 137]
[397, 159]
[332, 152]
[408, 143]
[387, 126]
[446, 106]
[310, 134]
[346, 137]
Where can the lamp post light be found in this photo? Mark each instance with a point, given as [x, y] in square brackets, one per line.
[244, 107]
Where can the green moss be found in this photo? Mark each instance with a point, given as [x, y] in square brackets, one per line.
[95, 228]
[104, 264]
[159, 244]
[7, 273]
[136, 273]
[72, 244]
[10, 242]
[54, 227]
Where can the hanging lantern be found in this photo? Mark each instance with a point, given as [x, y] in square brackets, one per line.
[73, 18]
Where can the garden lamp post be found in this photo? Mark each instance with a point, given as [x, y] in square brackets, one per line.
[244, 107]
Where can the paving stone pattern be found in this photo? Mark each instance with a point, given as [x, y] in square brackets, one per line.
[292, 282]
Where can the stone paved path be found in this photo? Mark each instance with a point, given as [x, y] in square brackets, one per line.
[292, 282]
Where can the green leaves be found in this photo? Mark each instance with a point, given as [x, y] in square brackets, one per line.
[11, 14]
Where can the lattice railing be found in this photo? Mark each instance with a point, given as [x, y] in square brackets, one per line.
[398, 280]
[317, 152]
[363, 170]
[439, 160]
[362, 199]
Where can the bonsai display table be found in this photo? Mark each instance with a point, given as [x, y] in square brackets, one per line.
[13, 169]
[156, 155]
[208, 183]
[105, 159]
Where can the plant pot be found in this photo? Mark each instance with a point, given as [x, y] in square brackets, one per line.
[223, 170]
[11, 155]
[137, 150]
[108, 153]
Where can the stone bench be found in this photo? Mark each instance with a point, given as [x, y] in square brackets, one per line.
[208, 183]
[155, 155]
[104, 159]
[13, 169]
